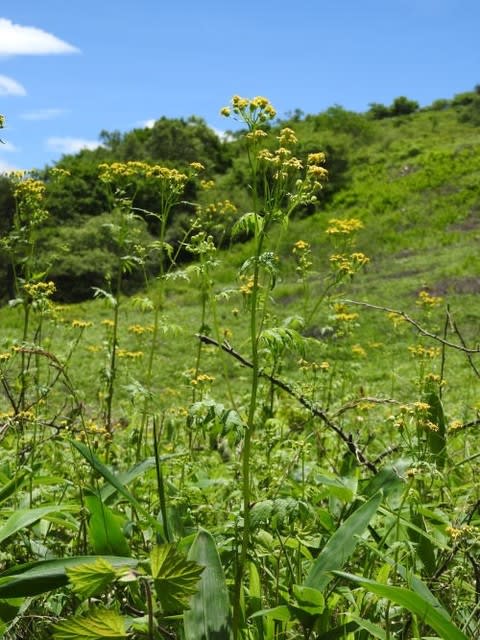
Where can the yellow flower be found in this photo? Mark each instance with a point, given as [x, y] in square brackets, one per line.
[343, 226]
[427, 300]
[300, 245]
[81, 324]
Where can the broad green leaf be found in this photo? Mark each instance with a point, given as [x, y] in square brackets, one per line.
[389, 479]
[209, 615]
[309, 600]
[175, 577]
[374, 630]
[425, 547]
[341, 545]
[91, 578]
[39, 577]
[111, 478]
[412, 601]
[101, 624]
[25, 517]
[108, 491]
[104, 471]
[281, 613]
[104, 529]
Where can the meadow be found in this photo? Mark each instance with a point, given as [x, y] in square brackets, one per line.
[274, 436]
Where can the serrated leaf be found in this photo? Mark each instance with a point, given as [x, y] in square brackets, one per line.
[101, 624]
[175, 577]
[39, 577]
[91, 578]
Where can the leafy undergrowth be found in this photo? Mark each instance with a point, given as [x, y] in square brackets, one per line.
[274, 442]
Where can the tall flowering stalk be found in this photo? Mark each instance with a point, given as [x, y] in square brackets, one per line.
[280, 182]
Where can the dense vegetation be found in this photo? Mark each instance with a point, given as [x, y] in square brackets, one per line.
[267, 385]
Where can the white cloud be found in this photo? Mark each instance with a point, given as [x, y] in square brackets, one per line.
[42, 114]
[10, 87]
[6, 167]
[147, 124]
[15, 39]
[71, 145]
[8, 147]
[223, 135]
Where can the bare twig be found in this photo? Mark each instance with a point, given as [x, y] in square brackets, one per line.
[365, 400]
[317, 411]
[420, 329]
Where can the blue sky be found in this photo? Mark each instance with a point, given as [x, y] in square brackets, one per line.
[70, 69]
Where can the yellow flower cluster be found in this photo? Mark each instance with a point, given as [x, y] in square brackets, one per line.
[251, 111]
[305, 365]
[5, 356]
[358, 350]
[287, 136]
[426, 300]
[139, 329]
[349, 264]
[30, 189]
[455, 425]
[132, 355]
[300, 245]
[57, 172]
[206, 185]
[81, 324]
[202, 378]
[345, 227]
[135, 170]
[247, 286]
[107, 323]
[457, 533]
[419, 351]
[222, 207]
[36, 290]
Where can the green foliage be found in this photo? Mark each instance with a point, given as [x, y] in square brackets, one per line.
[318, 421]
[101, 624]
[208, 616]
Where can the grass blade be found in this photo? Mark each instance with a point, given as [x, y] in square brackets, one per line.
[412, 601]
[342, 544]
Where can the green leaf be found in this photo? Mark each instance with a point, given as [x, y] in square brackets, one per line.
[341, 545]
[209, 614]
[175, 577]
[25, 517]
[414, 602]
[12, 485]
[101, 624]
[281, 613]
[104, 529]
[91, 578]
[374, 630]
[309, 600]
[104, 471]
[39, 577]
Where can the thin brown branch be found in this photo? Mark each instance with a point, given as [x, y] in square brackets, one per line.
[305, 402]
[420, 329]
[364, 400]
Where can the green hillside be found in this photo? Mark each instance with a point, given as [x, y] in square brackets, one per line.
[257, 354]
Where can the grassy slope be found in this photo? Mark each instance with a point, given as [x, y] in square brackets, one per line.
[414, 186]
